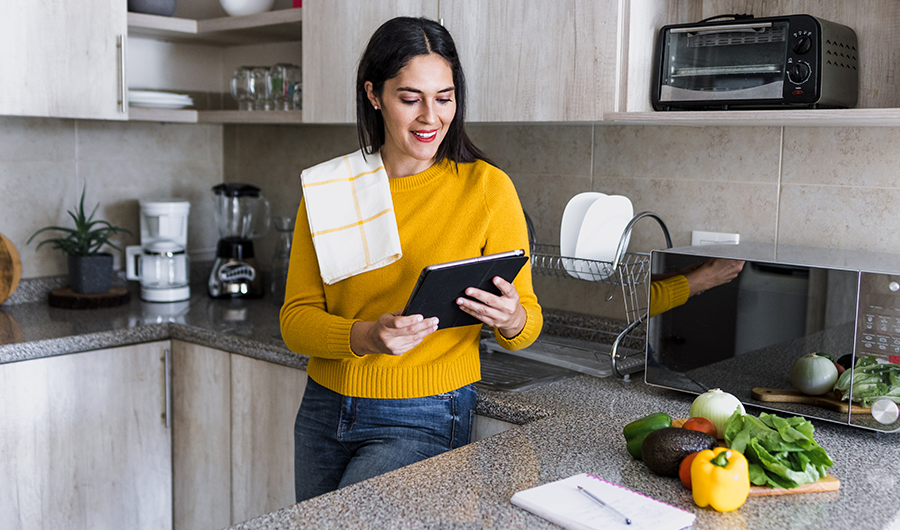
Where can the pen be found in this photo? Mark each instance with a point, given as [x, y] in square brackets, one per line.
[607, 506]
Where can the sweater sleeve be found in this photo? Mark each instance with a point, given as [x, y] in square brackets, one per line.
[668, 293]
[507, 231]
[306, 325]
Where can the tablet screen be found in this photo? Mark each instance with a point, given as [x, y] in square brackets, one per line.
[440, 285]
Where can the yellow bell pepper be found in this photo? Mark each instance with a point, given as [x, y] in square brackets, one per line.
[720, 479]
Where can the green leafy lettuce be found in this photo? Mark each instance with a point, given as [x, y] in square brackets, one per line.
[870, 380]
[780, 452]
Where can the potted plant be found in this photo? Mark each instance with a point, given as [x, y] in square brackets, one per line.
[90, 271]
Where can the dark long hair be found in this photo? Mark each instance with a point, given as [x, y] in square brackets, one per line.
[391, 48]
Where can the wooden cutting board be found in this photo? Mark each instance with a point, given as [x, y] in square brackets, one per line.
[10, 268]
[829, 483]
[775, 395]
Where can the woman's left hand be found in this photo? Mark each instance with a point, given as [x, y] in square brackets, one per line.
[503, 312]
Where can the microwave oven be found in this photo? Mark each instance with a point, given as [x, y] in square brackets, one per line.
[793, 61]
[745, 335]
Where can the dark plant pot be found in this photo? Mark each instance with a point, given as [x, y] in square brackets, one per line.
[90, 274]
[152, 7]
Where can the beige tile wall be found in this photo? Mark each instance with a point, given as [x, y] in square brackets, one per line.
[834, 187]
[45, 162]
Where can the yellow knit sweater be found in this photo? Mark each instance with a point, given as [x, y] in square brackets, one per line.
[443, 214]
[668, 293]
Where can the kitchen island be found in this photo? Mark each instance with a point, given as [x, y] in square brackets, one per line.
[564, 428]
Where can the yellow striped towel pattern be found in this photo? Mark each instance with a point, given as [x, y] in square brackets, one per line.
[351, 215]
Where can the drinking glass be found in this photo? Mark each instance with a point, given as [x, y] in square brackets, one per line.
[242, 87]
[281, 83]
[260, 98]
[284, 227]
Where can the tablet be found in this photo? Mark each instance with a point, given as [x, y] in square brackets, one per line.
[440, 285]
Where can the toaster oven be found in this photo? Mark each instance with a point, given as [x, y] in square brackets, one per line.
[744, 336]
[793, 61]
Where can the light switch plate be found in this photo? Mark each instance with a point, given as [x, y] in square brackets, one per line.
[714, 238]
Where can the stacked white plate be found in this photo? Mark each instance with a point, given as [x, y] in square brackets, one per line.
[161, 100]
[591, 229]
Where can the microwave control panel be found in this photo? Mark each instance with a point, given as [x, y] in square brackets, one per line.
[878, 317]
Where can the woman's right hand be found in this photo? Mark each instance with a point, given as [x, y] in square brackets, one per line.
[391, 334]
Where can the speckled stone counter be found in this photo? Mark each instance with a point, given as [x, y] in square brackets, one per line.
[568, 427]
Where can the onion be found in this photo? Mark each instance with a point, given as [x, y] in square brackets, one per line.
[814, 374]
[717, 407]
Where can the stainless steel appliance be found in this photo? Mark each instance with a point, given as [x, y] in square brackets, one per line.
[793, 61]
[161, 262]
[241, 214]
[744, 336]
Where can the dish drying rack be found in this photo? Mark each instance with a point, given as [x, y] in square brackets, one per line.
[629, 271]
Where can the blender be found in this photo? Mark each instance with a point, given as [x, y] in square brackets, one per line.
[241, 214]
[160, 263]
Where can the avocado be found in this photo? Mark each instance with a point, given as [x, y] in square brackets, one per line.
[664, 449]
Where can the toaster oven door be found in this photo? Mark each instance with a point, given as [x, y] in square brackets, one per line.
[723, 63]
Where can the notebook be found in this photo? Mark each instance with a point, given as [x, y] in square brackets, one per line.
[562, 503]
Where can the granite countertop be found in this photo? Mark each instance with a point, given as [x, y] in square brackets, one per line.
[568, 427]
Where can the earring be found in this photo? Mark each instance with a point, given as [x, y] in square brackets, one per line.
[375, 107]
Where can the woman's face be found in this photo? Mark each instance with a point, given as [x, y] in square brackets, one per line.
[418, 106]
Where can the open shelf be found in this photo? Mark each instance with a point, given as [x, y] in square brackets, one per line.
[762, 118]
[273, 26]
[286, 117]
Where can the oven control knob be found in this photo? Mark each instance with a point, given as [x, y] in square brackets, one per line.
[802, 44]
[798, 73]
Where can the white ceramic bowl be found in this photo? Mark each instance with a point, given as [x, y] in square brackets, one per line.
[238, 8]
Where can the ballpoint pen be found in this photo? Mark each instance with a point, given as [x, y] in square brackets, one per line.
[607, 506]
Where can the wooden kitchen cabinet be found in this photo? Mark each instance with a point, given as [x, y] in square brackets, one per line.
[201, 437]
[63, 59]
[264, 402]
[334, 36]
[233, 436]
[84, 442]
[536, 61]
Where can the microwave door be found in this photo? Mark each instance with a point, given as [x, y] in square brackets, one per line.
[724, 63]
[745, 335]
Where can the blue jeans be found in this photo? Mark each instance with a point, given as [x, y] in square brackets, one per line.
[340, 440]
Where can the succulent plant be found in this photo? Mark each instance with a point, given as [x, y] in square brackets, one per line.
[88, 236]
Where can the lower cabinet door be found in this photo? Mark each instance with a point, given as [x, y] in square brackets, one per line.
[233, 436]
[84, 442]
[264, 402]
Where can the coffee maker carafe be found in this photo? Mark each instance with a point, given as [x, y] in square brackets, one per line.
[241, 214]
[161, 263]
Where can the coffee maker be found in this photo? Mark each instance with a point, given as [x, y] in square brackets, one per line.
[161, 262]
[241, 214]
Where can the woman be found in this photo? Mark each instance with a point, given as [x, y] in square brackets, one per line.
[386, 390]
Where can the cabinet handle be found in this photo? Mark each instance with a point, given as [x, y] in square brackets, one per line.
[167, 366]
[120, 55]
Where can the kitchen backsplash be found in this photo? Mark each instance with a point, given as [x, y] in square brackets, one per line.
[833, 187]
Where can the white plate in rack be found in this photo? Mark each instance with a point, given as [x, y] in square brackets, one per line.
[601, 230]
[572, 219]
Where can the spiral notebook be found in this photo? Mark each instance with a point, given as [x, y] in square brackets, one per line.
[561, 502]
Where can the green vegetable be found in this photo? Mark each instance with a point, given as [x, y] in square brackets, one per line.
[781, 452]
[871, 380]
[636, 431]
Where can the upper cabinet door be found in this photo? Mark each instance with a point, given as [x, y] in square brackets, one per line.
[540, 60]
[62, 59]
[334, 37]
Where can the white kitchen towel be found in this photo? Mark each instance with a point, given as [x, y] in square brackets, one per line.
[351, 215]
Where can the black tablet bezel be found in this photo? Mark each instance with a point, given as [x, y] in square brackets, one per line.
[439, 285]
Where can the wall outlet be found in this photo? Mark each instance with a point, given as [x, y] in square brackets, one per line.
[714, 238]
